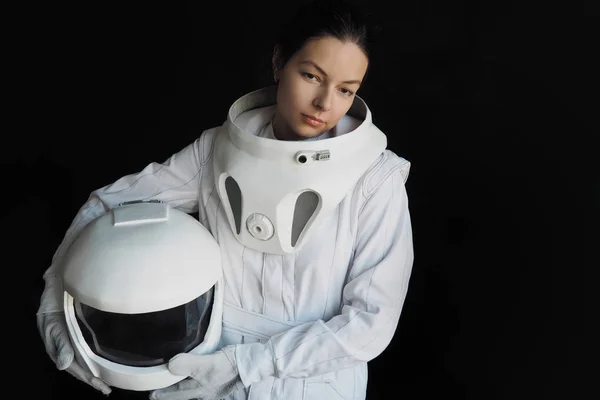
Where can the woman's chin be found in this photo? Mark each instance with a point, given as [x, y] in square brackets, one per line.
[307, 132]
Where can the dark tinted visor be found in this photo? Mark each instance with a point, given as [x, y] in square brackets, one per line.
[149, 339]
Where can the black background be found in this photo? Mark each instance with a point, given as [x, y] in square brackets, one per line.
[494, 104]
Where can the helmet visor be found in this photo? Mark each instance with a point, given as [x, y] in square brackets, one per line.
[148, 339]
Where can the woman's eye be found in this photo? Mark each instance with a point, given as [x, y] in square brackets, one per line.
[309, 76]
[347, 92]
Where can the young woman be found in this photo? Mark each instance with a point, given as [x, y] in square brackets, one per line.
[306, 309]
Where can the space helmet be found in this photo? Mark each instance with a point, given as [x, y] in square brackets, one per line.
[142, 283]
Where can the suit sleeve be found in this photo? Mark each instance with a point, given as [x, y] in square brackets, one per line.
[176, 181]
[373, 298]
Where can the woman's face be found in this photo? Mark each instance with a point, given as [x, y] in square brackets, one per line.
[319, 81]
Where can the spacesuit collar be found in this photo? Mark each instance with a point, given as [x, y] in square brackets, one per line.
[275, 193]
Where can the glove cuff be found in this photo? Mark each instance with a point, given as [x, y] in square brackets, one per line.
[52, 297]
[255, 362]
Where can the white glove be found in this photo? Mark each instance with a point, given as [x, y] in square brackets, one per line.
[52, 326]
[53, 329]
[212, 376]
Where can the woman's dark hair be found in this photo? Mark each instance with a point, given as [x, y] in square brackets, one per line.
[342, 19]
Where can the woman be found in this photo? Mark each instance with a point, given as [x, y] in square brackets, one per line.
[339, 295]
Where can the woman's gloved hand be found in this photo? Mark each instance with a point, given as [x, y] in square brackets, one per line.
[212, 376]
[52, 326]
[54, 333]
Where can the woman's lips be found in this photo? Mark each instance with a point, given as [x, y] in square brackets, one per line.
[312, 121]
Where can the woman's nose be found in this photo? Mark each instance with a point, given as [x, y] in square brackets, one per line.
[323, 100]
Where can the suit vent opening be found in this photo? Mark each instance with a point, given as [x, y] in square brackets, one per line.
[234, 194]
[306, 204]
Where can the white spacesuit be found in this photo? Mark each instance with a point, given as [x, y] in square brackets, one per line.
[315, 239]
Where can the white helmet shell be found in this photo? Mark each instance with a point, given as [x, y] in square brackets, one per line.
[140, 264]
